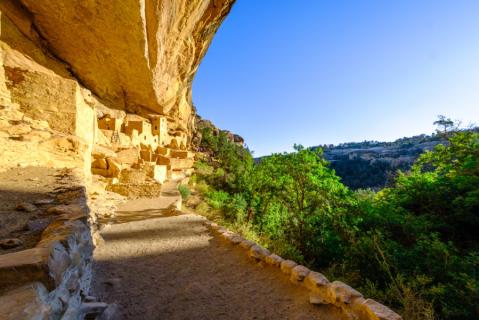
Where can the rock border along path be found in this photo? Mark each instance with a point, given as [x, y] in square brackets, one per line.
[321, 291]
[51, 280]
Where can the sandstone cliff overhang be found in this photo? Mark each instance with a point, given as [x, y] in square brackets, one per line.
[134, 54]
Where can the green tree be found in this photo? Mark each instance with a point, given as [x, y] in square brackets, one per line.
[309, 191]
[444, 124]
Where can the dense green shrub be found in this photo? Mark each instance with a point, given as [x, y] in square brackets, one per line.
[184, 191]
[217, 199]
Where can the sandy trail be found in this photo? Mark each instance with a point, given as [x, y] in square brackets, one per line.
[171, 267]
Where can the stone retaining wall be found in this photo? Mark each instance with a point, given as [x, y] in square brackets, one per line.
[52, 279]
[321, 290]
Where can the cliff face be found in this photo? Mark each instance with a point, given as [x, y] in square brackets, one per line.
[136, 55]
[66, 62]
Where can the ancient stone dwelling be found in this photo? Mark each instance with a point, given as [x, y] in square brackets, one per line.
[144, 143]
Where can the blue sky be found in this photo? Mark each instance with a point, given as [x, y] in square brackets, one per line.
[281, 72]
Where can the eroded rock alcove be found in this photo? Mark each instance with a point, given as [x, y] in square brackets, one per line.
[95, 102]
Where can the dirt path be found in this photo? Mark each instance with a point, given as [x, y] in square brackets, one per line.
[172, 268]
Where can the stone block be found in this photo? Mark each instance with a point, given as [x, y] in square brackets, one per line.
[287, 266]
[70, 211]
[100, 172]
[182, 154]
[341, 293]
[163, 160]
[163, 151]
[258, 253]
[298, 273]
[369, 309]
[146, 155]
[274, 260]
[25, 206]
[232, 237]
[247, 244]
[315, 280]
[178, 164]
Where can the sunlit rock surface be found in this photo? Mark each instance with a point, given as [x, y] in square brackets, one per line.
[136, 54]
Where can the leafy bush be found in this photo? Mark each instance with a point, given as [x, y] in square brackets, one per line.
[236, 208]
[217, 199]
[184, 191]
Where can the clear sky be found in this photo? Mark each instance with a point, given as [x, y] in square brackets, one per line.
[281, 72]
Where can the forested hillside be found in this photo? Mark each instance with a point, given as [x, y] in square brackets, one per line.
[374, 164]
[413, 245]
